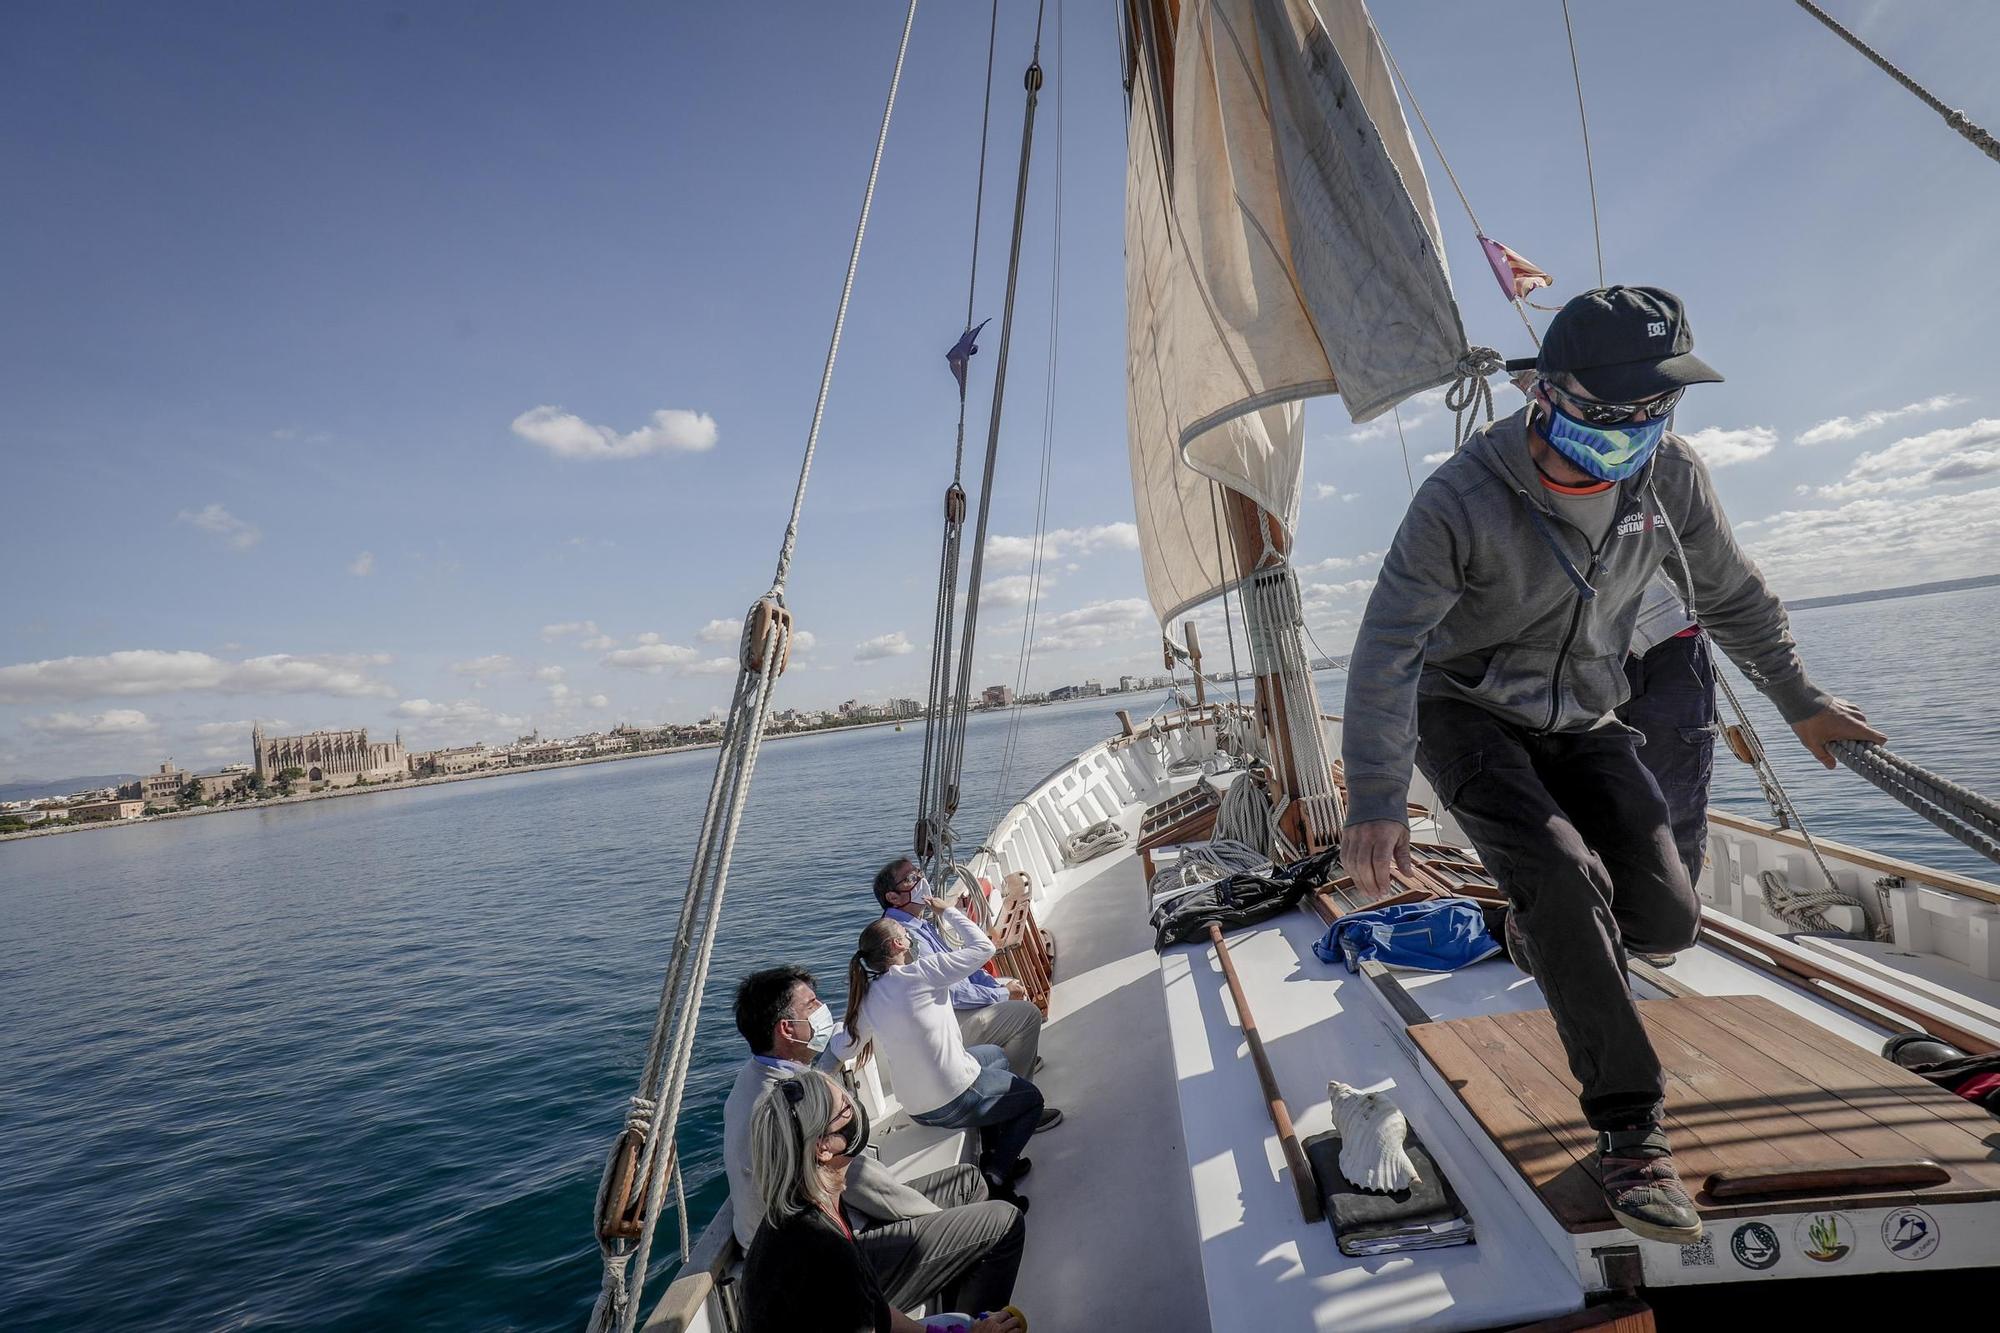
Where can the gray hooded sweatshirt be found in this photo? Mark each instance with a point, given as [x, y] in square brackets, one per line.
[1491, 596]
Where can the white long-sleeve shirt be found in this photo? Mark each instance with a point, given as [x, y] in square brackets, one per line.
[908, 1014]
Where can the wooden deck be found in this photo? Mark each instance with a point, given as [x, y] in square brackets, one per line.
[1751, 1087]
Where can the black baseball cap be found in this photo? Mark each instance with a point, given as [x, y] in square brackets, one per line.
[1623, 344]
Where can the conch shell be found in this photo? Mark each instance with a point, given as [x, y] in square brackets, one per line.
[1372, 1132]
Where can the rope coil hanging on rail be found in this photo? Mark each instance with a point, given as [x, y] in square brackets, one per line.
[632, 1189]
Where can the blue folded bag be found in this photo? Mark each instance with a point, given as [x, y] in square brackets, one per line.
[1441, 935]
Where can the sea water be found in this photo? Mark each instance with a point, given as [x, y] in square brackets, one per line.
[354, 1064]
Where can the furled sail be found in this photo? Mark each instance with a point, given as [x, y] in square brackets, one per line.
[1280, 242]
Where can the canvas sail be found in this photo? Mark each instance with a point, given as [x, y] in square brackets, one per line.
[1280, 242]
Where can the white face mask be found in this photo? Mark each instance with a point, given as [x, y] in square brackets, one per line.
[820, 1020]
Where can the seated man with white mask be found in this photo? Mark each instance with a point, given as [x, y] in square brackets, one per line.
[991, 1011]
[920, 1238]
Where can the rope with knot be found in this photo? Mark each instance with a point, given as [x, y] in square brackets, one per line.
[1469, 392]
[633, 1187]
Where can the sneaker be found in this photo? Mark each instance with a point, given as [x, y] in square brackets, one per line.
[1036, 1067]
[1661, 960]
[1051, 1117]
[1022, 1166]
[1642, 1187]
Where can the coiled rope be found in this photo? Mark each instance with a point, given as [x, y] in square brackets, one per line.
[645, 1148]
[1972, 134]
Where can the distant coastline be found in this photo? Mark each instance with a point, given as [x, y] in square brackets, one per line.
[1884, 594]
[52, 828]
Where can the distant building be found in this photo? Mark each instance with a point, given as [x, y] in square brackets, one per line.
[1091, 689]
[99, 811]
[215, 786]
[904, 708]
[1127, 684]
[461, 759]
[996, 696]
[162, 790]
[336, 758]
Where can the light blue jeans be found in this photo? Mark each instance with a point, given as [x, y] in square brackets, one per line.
[1004, 1107]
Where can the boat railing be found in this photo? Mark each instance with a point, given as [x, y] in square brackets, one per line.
[1092, 787]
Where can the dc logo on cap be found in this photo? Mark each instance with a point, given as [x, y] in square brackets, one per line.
[1656, 328]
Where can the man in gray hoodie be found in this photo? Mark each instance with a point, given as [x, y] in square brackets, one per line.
[1493, 654]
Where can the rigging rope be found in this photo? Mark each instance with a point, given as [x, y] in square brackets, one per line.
[1589, 167]
[1973, 134]
[1397, 411]
[1963, 813]
[1031, 613]
[936, 725]
[946, 789]
[645, 1149]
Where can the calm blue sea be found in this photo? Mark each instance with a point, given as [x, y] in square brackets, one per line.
[353, 1064]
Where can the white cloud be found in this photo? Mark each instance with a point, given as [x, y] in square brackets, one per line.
[155, 671]
[1097, 624]
[363, 565]
[597, 701]
[720, 631]
[650, 657]
[548, 674]
[1956, 453]
[648, 638]
[1879, 542]
[597, 643]
[803, 641]
[457, 716]
[1432, 460]
[1722, 448]
[1323, 491]
[883, 645]
[1846, 428]
[113, 722]
[711, 666]
[567, 435]
[1058, 543]
[551, 633]
[493, 664]
[1011, 590]
[216, 520]
[1334, 563]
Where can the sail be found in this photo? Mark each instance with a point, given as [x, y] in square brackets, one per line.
[1280, 243]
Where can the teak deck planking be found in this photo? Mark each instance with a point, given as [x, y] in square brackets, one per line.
[1749, 1085]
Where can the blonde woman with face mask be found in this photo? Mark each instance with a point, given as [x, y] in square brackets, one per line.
[804, 1273]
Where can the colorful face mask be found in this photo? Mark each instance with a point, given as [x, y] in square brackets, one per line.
[1609, 453]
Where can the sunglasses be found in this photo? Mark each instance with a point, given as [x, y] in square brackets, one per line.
[1613, 414]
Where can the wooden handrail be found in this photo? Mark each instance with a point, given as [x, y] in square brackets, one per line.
[1945, 881]
[1857, 997]
[1850, 1176]
[1303, 1184]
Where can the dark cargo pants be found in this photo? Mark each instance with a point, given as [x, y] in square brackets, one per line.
[1673, 706]
[1575, 830]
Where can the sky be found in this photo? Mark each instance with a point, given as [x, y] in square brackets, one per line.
[446, 367]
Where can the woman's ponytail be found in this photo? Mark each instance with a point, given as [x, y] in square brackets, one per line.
[869, 962]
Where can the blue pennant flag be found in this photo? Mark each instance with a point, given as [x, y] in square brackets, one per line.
[961, 353]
